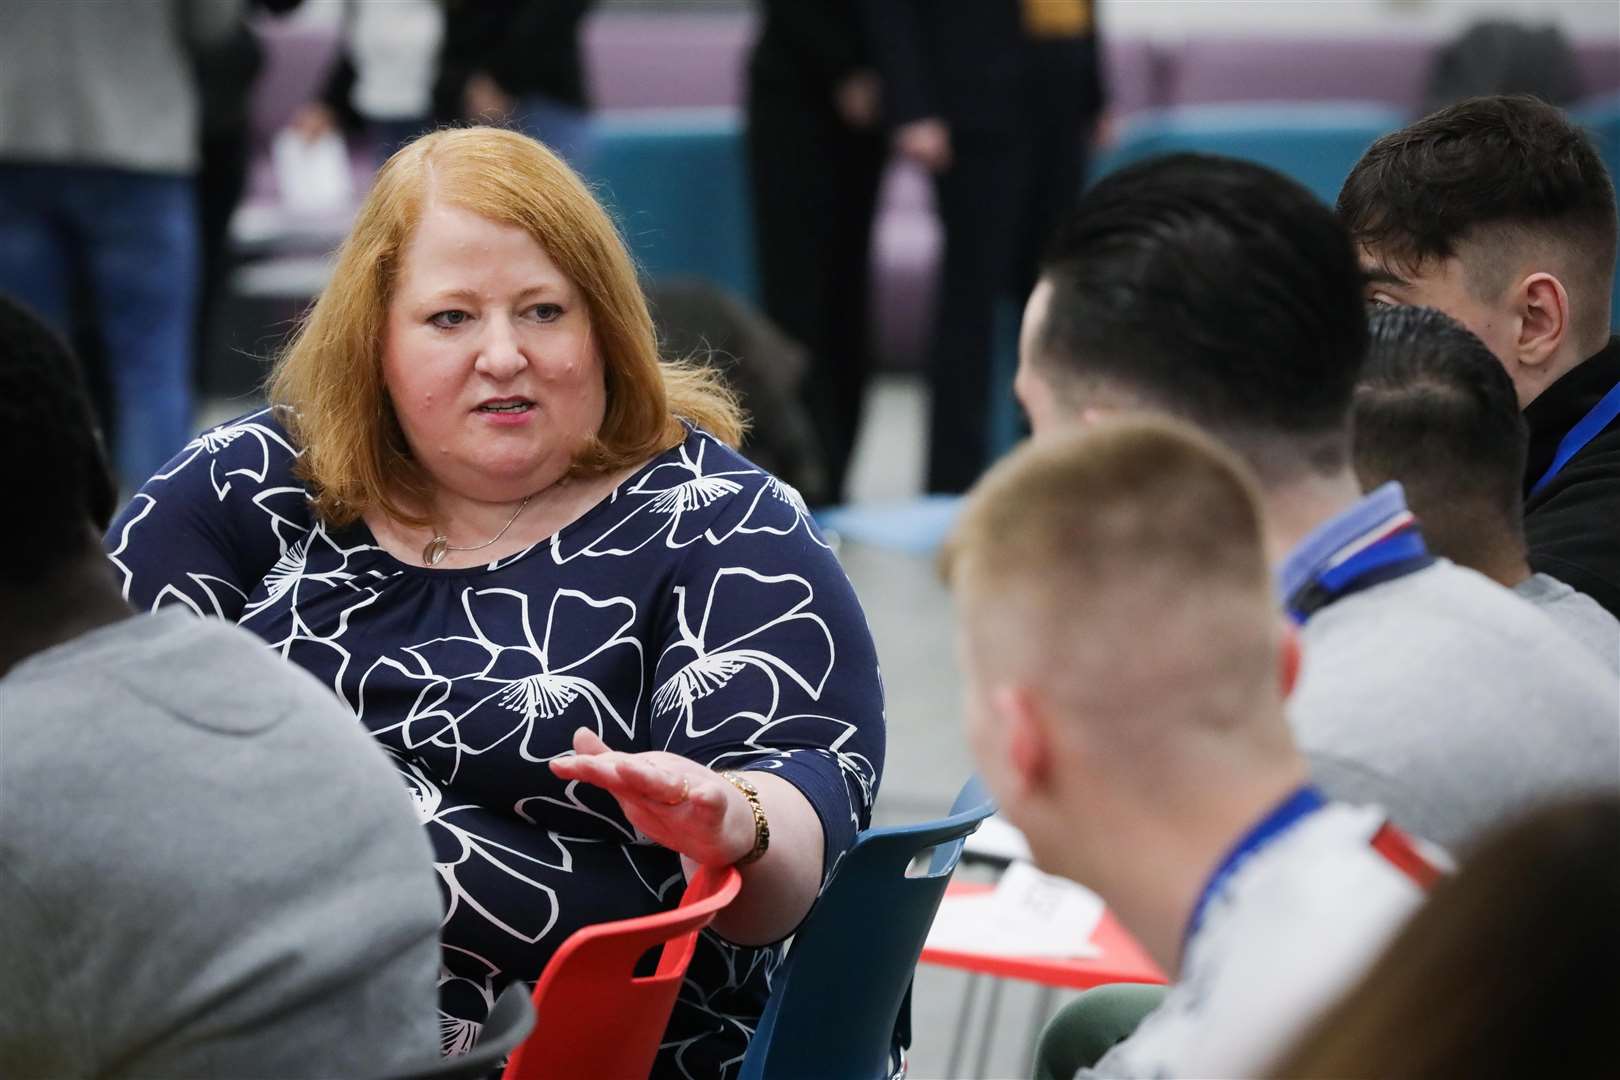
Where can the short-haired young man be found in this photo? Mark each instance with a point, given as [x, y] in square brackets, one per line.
[1224, 293]
[1435, 411]
[1498, 212]
[1126, 669]
[207, 868]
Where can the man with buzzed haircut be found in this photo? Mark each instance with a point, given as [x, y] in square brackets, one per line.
[1125, 670]
[1224, 293]
[1435, 411]
[1498, 212]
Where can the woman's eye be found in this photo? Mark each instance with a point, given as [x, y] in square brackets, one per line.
[444, 320]
[547, 312]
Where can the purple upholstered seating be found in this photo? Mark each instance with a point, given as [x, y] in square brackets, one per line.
[1210, 71]
[642, 59]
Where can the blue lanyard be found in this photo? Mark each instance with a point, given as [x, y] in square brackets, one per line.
[1290, 812]
[1601, 416]
[1400, 552]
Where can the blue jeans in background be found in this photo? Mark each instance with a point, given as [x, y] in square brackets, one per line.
[129, 240]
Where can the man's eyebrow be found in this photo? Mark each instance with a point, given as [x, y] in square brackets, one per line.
[1382, 275]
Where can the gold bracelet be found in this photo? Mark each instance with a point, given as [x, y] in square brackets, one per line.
[762, 828]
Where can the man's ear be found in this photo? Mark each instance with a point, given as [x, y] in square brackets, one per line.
[1542, 305]
[1026, 724]
[1289, 658]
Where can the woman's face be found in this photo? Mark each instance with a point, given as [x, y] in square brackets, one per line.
[488, 358]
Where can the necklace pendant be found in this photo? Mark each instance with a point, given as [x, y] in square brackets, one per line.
[434, 551]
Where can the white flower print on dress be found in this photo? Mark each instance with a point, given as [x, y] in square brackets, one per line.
[750, 621]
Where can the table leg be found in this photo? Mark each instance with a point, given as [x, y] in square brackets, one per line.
[991, 1007]
[959, 1037]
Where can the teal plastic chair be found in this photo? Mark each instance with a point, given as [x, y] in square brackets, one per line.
[1317, 143]
[676, 181]
[844, 990]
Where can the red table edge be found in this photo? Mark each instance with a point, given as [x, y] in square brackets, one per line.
[1122, 959]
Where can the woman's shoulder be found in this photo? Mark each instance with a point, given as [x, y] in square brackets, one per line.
[243, 468]
[699, 492]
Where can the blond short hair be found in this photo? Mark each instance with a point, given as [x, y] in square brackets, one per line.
[329, 379]
[1132, 548]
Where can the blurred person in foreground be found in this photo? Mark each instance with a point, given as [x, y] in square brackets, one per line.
[206, 868]
[595, 640]
[1157, 767]
[1522, 942]
[1436, 412]
[1499, 212]
[816, 155]
[98, 151]
[1224, 293]
[997, 99]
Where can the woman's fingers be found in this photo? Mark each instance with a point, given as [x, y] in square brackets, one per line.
[648, 781]
[587, 741]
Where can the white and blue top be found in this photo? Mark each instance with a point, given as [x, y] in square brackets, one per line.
[696, 609]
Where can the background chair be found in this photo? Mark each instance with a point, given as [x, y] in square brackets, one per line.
[596, 1017]
[842, 990]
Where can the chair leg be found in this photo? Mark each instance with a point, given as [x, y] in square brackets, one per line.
[1043, 1012]
[959, 1037]
[991, 1007]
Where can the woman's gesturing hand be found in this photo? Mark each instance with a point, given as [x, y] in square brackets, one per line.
[674, 801]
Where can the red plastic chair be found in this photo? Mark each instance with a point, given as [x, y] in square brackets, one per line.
[595, 1018]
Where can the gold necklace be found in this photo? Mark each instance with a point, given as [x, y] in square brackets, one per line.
[434, 551]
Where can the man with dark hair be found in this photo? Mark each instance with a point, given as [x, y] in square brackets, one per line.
[207, 866]
[1436, 412]
[1222, 292]
[1498, 212]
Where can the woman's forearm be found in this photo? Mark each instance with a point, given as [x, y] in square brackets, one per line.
[779, 888]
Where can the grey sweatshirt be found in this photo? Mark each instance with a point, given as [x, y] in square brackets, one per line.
[1580, 616]
[1453, 703]
[207, 868]
[104, 82]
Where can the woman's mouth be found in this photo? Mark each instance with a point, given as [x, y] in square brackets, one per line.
[507, 405]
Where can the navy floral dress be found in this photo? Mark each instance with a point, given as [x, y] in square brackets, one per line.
[696, 609]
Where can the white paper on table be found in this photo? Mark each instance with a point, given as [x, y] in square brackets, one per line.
[1028, 913]
[313, 175]
[997, 838]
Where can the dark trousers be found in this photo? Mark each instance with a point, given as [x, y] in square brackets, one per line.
[815, 183]
[135, 237]
[998, 204]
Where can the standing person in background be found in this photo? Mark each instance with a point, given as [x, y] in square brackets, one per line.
[98, 152]
[816, 157]
[226, 72]
[996, 98]
[518, 62]
[382, 82]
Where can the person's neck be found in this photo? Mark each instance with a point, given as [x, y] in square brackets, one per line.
[1188, 837]
[72, 600]
[1296, 508]
[1507, 566]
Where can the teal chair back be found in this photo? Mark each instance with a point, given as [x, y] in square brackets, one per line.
[676, 181]
[1317, 143]
[838, 997]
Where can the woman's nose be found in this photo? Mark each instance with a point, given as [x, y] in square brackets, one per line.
[500, 354]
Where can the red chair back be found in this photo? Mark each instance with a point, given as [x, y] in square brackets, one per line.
[595, 1018]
